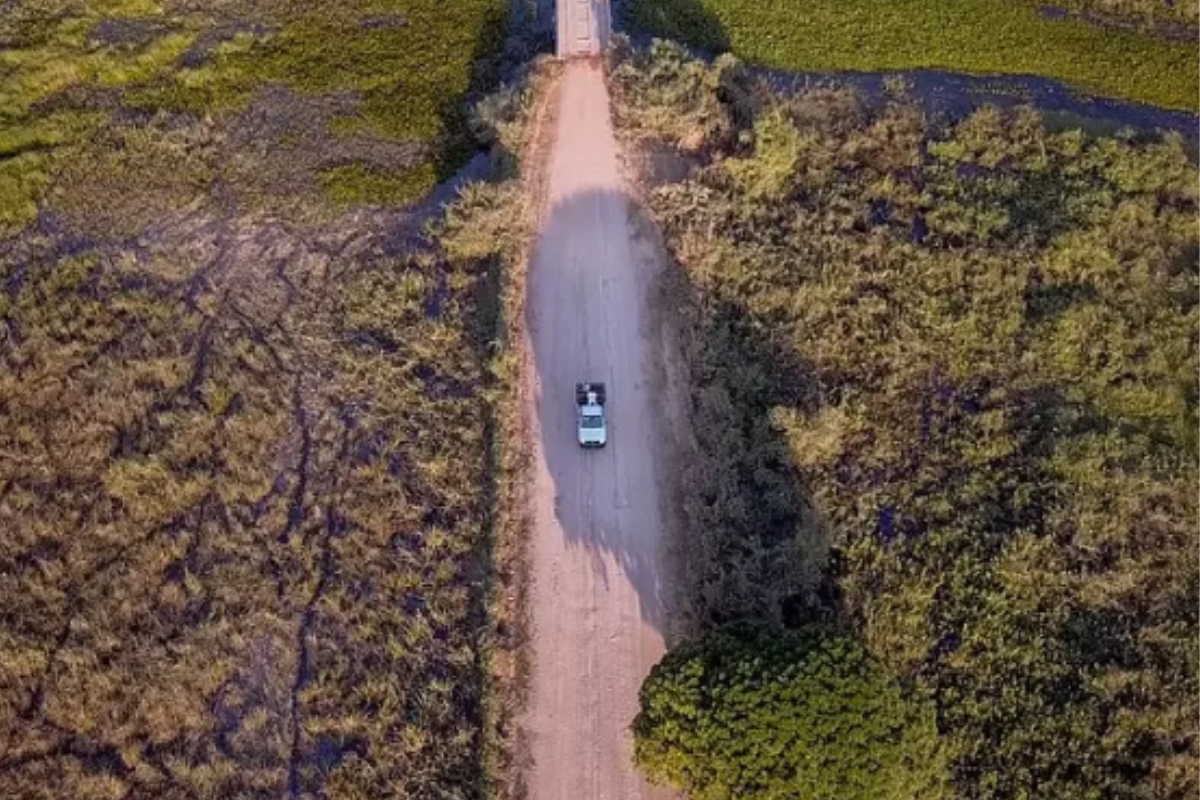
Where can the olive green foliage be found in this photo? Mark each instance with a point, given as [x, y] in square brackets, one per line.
[778, 150]
[359, 184]
[949, 374]
[402, 69]
[1008, 37]
[750, 714]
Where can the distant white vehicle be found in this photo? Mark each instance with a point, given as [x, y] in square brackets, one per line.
[591, 426]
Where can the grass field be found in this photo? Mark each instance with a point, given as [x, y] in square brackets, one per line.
[250, 436]
[366, 96]
[973, 36]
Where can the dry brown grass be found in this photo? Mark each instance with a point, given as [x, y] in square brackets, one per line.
[248, 461]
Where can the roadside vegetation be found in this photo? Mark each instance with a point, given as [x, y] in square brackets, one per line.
[1145, 51]
[252, 461]
[945, 402]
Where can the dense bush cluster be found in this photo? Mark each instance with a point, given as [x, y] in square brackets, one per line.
[989, 37]
[752, 715]
[946, 397]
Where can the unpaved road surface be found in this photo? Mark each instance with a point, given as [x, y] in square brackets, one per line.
[596, 600]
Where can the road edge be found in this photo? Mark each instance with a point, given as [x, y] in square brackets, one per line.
[515, 512]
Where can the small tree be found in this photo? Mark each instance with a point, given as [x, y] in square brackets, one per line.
[752, 713]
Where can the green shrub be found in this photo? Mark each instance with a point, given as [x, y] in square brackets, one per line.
[361, 184]
[768, 173]
[751, 713]
[671, 95]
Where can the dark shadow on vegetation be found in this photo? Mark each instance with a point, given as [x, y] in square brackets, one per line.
[1163, 29]
[948, 96]
[684, 21]
[757, 548]
[506, 45]
[457, 144]
[466, 158]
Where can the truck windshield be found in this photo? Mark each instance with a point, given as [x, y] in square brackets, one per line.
[591, 422]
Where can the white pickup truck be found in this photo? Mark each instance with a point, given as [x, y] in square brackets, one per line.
[591, 427]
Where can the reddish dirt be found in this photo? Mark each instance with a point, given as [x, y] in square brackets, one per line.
[597, 600]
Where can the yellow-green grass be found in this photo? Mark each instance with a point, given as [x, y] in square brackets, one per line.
[972, 36]
[357, 184]
[410, 64]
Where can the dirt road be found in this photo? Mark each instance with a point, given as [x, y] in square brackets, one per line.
[597, 592]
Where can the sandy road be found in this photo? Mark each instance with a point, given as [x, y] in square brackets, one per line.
[596, 600]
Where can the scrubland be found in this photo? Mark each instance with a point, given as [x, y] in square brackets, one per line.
[253, 404]
[945, 405]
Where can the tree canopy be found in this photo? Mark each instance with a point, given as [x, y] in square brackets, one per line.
[750, 714]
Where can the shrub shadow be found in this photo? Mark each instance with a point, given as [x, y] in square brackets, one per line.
[509, 41]
[580, 324]
[682, 20]
[756, 548]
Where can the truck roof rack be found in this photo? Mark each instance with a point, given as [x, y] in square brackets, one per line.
[582, 390]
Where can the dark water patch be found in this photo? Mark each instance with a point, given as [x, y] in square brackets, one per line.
[949, 96]
[887, 524]
[1161, 29]
[212, 38]
[880, 212]
[414, 603]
